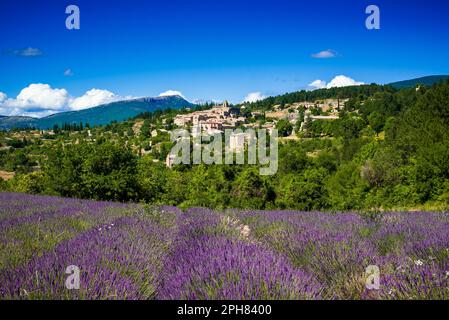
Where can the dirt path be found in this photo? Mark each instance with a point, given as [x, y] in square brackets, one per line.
[5, 175]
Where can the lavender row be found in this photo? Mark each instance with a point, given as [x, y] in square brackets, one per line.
[120, 260]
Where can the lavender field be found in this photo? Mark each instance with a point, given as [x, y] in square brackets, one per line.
[129, 251]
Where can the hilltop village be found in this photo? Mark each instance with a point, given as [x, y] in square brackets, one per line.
[223, 117]
[219, 118]
[151, 136]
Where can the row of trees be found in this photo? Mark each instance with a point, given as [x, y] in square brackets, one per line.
[353, 92]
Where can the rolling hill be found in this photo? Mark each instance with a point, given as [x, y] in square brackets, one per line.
[100, 115]
[427, 81]
[7, 123]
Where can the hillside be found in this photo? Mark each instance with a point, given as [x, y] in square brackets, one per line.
[103, 114]
[313, 95]
[381, 149]
[427, 81]
[7, 123]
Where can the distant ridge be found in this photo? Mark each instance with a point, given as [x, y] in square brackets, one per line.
[100, 115]
[427, 81]
[7, 123]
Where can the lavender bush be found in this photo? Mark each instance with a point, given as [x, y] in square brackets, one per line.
[127, 251]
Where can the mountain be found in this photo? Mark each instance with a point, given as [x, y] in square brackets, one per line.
[100, 115]
[427, 81]
[116, 111]
[7, 123]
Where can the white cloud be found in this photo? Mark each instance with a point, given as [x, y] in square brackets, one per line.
[253, 97]
[68, 73]
[326, 54]
[27, 52]
[38, 95]
[3, 110]
[39, 100]
[318, 84]
[93, 98]
[170, 93]
[338, 81]
[343, 81]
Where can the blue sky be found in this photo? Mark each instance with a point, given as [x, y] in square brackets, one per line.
[208, 49]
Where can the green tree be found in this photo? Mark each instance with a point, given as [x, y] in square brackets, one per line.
[152, 178]
[251, 190]
[347, 190]
[101, 172]
[284, 128]
[3, 185]
[376, 121]
[33, 183]
[304, 192]
[292, 158]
